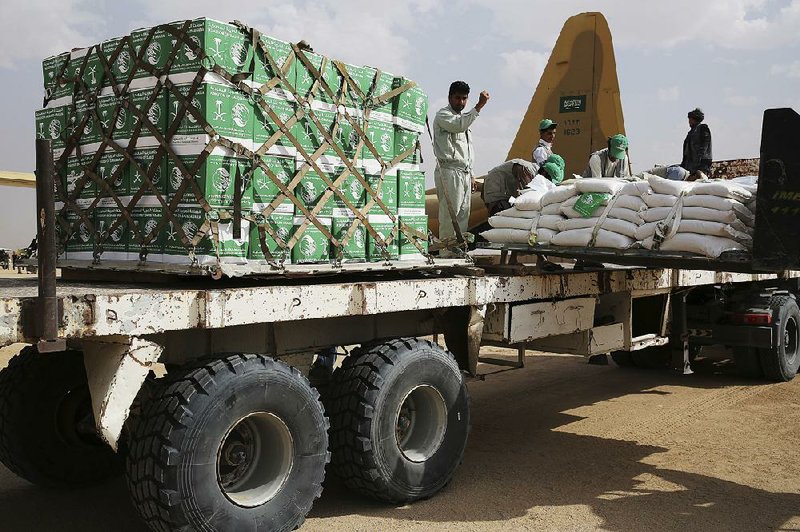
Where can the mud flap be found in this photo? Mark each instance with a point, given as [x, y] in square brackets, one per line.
[463, 330]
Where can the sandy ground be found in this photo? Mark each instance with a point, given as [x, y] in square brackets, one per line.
[558, 445]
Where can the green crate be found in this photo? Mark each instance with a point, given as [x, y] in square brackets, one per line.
[411, 189]
[216, 178]
[312, 246]
[355, 249]
[384, 226]
[282, 225]
[226, 109]
[408, 250]
[51, 124]
[145, 157]
[56, 87]
[386, 190]
[264, 188]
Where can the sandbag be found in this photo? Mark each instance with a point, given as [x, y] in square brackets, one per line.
[540, 183]
[602, 185]
[529, 201]
[717, 203]
[558, 195]
[660, 200]
[661, 185]
[542, 236]
[549, 221]
[509, 222]
[553, 208]
[622, 227]
[582, 237]
[691, 213]
[516, 213]
[723, 189]
[707, 245]
[700, 227]
[506, 236]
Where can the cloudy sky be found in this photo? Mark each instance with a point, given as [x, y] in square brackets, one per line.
[733, 58]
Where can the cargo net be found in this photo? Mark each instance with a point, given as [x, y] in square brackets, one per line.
[92, 209]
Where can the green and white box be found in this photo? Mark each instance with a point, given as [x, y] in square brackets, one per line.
[224, 44]
[265, 189]
[147, 214]
[384, 85]
[115, 120]
[54, 72]
[411, 192]
[90, 133]
[146, 157]
[263, 72]
[408, 251]
[362, 77]
[310, 136]
[190, 218]
[225, 109]
[79, 244]
[122, 63]
[353, 191]
[355, 249]
[281, 226]
[312, 187]
[112, 169]
[86, 64]
[114, 242]
[405, 140]
[305, 78]
[51, 124]
[75, 173]
[216, 178]
[157, 114]
[410, 107]
[381, 135]
[385, 188]
[265, 127]
[155, 54]
[386, 228]
[312, 247]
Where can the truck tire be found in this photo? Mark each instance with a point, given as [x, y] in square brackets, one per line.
[236, 443]
[399, 420]
[748, 362]
[47, 428]
[655, 357]
[780, 363]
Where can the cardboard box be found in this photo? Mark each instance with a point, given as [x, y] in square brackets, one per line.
[384, 226]
[305, 78]
[112, 169]
[85, 64]
[312, 187]
[381, 135]
[265, 126]
[155, 54]
[281, 225]
[352, 189]
[55, 80]
[386, 190]
[145, 157]
[216, 177]
[224, 44]
[75, 173]
[411, 190]
[146, 217]
[123, 62]
[157, 114]
[114, 242]
[410, 107]
[363, 78]
[408, 251]
[190, 218]
[263, 72]
[355, 249]
[79, 244]
[405, 140]
[225, 109]
[51, 123]
[312, 246]
[384, 85]
[265, 190]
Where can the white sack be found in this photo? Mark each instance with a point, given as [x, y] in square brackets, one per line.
[543, 236]
[603, 185]
[620, 214]
[667, 186]
[549, 221]
[709, 246]
[553, 208]
[540, 183]
[723, 189]
[691, 213]
[508, 222]
[516, 213]
[506, 236]
[529, 201]
[623, 201]
[660, 200]
[622, 227]
[558, 195]
[581, 238]
[701, 227]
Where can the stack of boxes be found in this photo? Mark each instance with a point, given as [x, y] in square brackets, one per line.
[392, 129]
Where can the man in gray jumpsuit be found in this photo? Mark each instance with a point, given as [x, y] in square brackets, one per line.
[452, 147]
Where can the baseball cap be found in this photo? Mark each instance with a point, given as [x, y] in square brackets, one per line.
[617, 146]
[546, 124]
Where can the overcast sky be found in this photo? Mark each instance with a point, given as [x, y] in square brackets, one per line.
[733, 58]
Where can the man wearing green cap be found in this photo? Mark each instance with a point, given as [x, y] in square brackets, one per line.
[611, 161]
[544, 148]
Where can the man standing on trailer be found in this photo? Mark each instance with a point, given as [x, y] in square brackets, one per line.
[452, 147]
[697, 147]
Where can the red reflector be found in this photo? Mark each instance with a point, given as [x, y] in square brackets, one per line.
[753, 318]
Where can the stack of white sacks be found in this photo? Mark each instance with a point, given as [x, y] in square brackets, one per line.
[706, 218]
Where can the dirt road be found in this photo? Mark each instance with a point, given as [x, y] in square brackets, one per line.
[558, 445]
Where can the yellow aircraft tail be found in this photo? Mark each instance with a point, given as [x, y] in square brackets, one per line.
[579, 90]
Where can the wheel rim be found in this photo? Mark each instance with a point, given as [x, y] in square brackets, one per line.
[255, 459]
[421, 423]
[790, 340]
